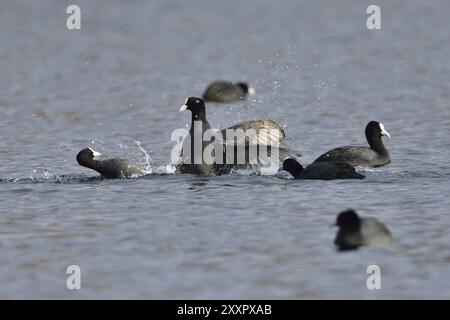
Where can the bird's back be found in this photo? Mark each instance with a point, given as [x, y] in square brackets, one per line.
[374, 232]
[371, 232]
[118, 168]
[330, 170]
[356, 156]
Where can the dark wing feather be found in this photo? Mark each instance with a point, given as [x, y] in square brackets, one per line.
[256, 140]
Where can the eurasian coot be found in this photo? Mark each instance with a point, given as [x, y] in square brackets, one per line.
[321, 170]
[224, 91]
[259, 146]
[355, 231]
[113, 168]
[375, 155]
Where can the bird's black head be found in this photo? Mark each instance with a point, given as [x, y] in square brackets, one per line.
[87, 155]
[293, 167]
[348, 220]
[248, 89]
[376, 129]
[194, 104]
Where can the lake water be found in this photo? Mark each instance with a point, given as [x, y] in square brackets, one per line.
[117, 84]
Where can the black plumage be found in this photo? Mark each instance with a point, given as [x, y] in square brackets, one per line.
[116, 168]
[355, 231]
[321, 170]
[225, 151]
[225, 91]
[374, 155]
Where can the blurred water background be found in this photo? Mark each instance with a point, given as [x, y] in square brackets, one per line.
[116, 85]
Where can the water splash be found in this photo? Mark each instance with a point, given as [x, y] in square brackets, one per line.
[148, 159]
[399, 173]
[165, 169]
[50, 178]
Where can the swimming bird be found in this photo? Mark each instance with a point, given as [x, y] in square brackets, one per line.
[321, 170]
[375, 155]
[256, 144]
[355, 231]
[225, 91]
[116, 168]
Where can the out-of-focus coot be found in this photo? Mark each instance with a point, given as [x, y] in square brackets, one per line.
[355, 231]
[224, 91]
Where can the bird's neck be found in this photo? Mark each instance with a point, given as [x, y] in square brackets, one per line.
[376, 143]
[298, 172]
[92, 164]
[199, 116]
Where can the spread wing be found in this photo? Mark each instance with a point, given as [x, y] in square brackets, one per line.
[265, 132]
[257, 144]
[246, 145]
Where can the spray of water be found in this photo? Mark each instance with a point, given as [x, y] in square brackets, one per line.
[148, 159]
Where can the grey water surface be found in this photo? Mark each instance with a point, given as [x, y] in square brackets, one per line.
[116, 86]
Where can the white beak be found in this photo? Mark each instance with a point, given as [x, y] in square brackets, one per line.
[251, 91]
[183, 108]
[384, 132]
[95, 153]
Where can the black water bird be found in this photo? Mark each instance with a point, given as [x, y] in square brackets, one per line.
[355, 231]
[375, 155]
[225, 91]
[221, 154]
[116, 168]
[321, 170]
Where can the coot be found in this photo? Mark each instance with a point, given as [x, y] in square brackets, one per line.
[321, 170]
[375, 155]
[355, 231]
[113, 168]
[225, 91]
[225, 153]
